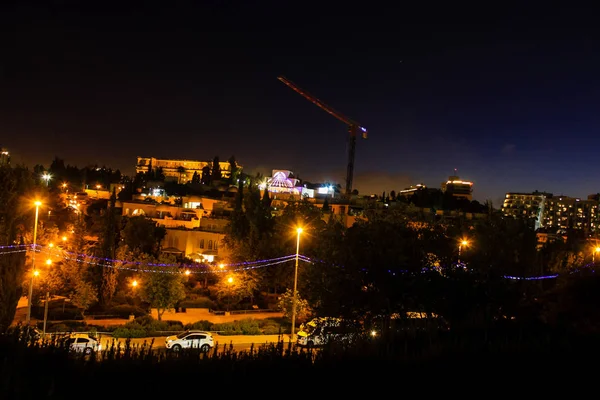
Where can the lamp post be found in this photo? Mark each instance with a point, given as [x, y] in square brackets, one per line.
[46, 176]
[33, 271]
[462, 243]
[596, 250]
[295, 296]
[229, 281]
[48, 262]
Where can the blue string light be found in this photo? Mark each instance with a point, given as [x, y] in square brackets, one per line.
[195, 265]
[193, 268]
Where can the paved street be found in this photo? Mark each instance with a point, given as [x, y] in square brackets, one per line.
[239, 342]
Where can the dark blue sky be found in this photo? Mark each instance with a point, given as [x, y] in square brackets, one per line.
[508, 96]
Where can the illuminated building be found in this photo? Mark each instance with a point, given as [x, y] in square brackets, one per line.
[171, 168]
[457, 187]
[526, 205]
[284, 182]
[565, 212]
[412, 189]
[4, 156]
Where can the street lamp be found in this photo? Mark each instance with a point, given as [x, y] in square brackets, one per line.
[295, 296]
[229, 281]
[46, 176]
[33, 271]
[596, 250]
[463, 243]
[48, 262]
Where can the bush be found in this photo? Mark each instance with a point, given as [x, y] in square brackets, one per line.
[270, 327]
[56, 312]
[200, 325]
[199, 302]
[125, 310]
[130, 330]
[247, 326]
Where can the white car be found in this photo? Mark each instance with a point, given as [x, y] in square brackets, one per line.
[190, 340]
[82, 342]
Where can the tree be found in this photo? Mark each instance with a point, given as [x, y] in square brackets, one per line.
[205, 178]
[216, 170]
[236, 286]
[233, 167]
[285, 304]
[142, 235]
[85, 295]
[163, 287]
[15, 183]
[196, 178]
[109, 242]
[180, 171]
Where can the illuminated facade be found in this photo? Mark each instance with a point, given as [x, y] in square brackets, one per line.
[412, 189]
[284, 182]
[171, 168]
[565, 212]
[530, 206]
[458, 188]
[4, 156]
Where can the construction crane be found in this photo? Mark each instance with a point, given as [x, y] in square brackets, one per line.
[353, 128]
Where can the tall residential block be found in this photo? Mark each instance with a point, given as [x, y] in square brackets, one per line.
[530, 206]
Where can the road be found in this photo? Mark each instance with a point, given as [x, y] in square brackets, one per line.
[239, 342]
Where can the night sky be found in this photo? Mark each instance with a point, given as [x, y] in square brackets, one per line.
[507, 96]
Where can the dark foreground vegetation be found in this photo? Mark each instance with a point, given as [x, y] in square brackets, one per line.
[504, 356]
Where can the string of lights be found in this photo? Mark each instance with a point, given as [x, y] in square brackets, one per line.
[172, 271]
[13, 251]
[14, 246]
[207, 268]
[194, 265]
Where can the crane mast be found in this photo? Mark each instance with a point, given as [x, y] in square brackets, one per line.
[354, 128]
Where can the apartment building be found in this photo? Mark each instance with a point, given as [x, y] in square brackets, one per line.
[195, 230]
[530, 206]
[554, 213]
[178, 170]
[563, 212]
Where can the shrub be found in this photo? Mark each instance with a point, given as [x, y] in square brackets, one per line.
[130, 330]
[198, 302]
[125, 310]
[247, 326]
[200, 325]
[270, 327]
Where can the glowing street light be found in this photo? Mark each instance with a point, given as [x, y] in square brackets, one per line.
[596, 250]
[463, 243]
[134, 283]
[295, 296]
[48, 262]
[187, 272]
[33, 270]
[229, 281]
[36, 273]
[46, 176]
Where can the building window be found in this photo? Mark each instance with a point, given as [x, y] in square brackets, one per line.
[216, 245]
[201, 243]
[210, 244]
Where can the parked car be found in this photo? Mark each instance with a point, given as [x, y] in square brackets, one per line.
[190, 340]
[322, 330]
[83, 343]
